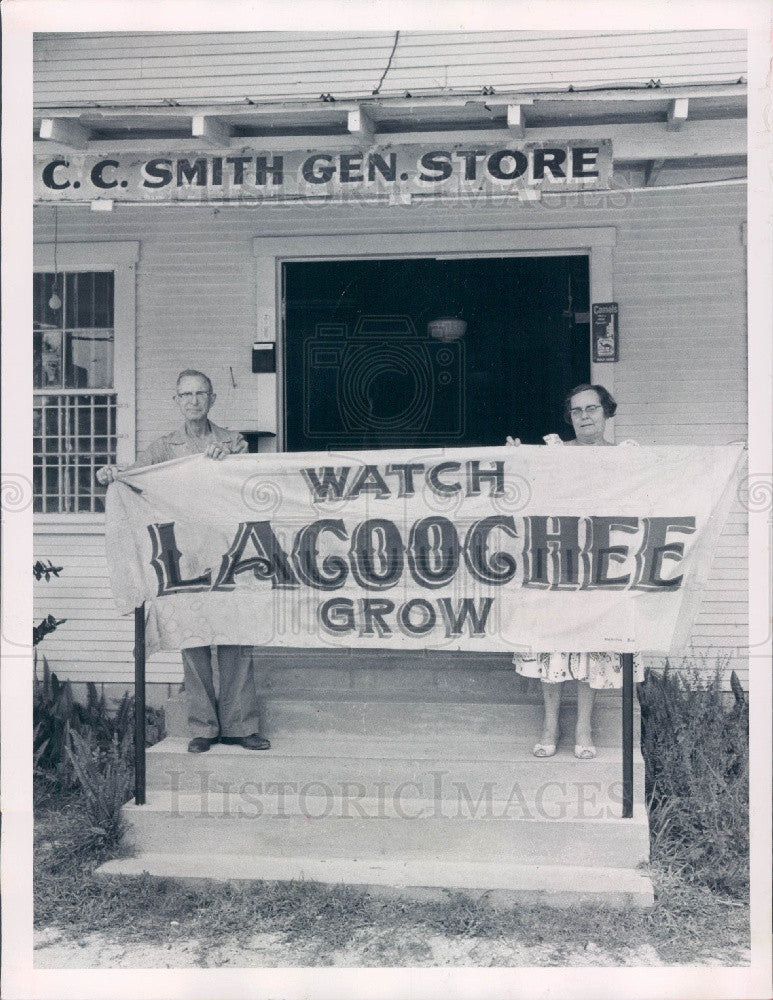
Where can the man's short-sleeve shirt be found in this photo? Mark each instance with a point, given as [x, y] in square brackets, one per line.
[180, 444]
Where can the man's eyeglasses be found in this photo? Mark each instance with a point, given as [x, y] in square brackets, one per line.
[590, 411]
[188, 397]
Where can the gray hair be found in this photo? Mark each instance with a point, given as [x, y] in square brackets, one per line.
[193, 372]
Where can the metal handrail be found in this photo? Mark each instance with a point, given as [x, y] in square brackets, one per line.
[139, 704]
[627, 662]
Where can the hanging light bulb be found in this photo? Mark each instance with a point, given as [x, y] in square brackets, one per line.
[55, 302]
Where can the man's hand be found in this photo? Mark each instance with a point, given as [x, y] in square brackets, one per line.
[108, 474]
[219, 450]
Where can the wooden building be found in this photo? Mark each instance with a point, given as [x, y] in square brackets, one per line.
[192, 273]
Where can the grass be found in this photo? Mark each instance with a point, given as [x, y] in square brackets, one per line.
[688, 923]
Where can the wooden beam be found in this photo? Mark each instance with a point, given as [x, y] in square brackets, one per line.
[651, 172]
[515, 120]
[677, 113]
[502, 99]
[65, 132]
[214, 133]
[651, 141]
[360, 124]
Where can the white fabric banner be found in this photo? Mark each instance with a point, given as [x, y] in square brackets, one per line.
[513, 548]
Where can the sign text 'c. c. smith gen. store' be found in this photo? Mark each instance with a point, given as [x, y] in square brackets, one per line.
[305, 273]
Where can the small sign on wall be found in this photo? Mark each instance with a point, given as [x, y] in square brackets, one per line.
[263, 358]
[606, 332]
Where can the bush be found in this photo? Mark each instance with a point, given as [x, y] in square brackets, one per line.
[696, 754]
[53, 715]
[56, 715]
[105, 779]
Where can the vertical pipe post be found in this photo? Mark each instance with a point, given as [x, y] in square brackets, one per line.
[627, 659]
[139, 704]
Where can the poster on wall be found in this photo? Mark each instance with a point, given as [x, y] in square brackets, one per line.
[606, 332]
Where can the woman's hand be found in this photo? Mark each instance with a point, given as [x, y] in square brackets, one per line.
[512, 442]
[108, 474]
[218, 450]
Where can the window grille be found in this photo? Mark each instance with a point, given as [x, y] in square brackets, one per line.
[74, 415]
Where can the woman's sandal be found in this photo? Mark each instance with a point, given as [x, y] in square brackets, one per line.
[544, 750]
[584, 752]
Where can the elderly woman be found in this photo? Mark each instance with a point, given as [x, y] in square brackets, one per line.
[587, 408]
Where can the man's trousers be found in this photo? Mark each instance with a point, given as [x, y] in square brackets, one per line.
[236, 711]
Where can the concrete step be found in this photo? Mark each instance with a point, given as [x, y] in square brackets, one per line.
[411, 719]
[429, 673]
[432, 767]
[500, 884]
[562, 823]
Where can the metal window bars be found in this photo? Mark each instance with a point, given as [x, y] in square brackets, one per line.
[74, 434]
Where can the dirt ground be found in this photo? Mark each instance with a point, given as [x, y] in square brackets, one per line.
[54, 950]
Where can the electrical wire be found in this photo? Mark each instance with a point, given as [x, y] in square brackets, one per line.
[388, 65]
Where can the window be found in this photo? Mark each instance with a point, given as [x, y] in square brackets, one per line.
[74, 417]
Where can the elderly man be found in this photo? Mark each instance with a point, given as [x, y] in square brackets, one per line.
[235, 719]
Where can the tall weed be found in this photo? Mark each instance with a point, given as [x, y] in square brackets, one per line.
[56, 713]
[53, 715]
[105, 779]
[696, 754]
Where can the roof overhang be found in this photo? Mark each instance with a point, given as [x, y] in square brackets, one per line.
[651, 128]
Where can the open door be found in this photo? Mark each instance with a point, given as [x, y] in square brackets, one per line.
[363, 371]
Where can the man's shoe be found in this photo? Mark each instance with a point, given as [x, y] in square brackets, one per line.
[200, 744]
[253, 742]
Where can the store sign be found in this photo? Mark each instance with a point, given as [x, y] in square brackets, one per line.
[404, 170]
[528, 548]
[605, 331]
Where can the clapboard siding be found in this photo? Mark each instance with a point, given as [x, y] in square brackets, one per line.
[149, 68]
[679, 276]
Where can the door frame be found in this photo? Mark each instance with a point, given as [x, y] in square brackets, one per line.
[271, 252]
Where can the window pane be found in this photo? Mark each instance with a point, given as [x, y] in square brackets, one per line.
[51, 415]
[73, 432]
[89, 299]
[38, 299]
[47, 364]
[37, 359]
[89, 359]
[45, 318]
[103, 299]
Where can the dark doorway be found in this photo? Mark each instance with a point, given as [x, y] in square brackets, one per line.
[362, 371]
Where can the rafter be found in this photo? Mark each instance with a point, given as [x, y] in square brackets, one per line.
[677, 113]
[651, 172]
[64, 132]
[359, 123]
[213, 131]
[515, 120]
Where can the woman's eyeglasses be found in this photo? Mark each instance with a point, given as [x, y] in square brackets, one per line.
[590, 411]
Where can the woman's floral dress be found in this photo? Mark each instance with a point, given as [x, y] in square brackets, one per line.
[600, 670]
